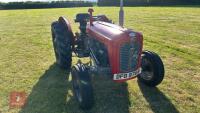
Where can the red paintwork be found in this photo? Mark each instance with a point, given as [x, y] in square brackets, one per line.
[113, 36]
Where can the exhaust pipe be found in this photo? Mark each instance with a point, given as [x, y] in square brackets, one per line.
[121, 14]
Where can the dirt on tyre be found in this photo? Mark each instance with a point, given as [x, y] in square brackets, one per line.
[82, 86]
[152, 69]
[62, 41]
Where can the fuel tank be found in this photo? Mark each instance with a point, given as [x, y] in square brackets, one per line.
[124, 45]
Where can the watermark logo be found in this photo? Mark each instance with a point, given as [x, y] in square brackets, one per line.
[17, 99]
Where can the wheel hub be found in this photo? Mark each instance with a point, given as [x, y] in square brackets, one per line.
[147, 69]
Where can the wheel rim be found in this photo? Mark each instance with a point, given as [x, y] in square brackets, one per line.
[147, 69]
[76, 87]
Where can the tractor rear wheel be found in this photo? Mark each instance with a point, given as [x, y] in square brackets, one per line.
[152, 69]
[82, 86]
[62, 39]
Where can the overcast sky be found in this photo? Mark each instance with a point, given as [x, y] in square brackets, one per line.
[35, 0]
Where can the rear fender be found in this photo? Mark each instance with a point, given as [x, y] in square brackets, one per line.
[65, 22]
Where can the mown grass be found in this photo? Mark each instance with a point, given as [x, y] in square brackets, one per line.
[27, 62]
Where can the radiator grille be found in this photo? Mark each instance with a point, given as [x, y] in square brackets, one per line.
[129, 56]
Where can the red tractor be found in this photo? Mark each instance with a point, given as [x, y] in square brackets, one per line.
[115, 51]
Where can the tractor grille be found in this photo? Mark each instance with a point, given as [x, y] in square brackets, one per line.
[129, 56]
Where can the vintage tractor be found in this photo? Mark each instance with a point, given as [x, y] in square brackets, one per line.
[115, 51]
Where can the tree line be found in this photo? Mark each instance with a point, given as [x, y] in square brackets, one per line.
[53, 4]
[62, 4]
[147, 2]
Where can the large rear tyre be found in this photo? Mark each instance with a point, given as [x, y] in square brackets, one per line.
[82, 86]
[152, 69]
[62, 40]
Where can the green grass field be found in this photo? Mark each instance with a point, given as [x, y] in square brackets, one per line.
[27, 62]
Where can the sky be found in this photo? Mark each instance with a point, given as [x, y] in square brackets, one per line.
[34, 0]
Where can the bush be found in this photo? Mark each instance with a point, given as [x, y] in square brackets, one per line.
[147, 2]
[53, 4]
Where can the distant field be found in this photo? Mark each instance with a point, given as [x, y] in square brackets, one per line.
[27, 62]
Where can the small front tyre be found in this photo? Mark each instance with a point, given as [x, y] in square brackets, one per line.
[152, 69]
[82, 86]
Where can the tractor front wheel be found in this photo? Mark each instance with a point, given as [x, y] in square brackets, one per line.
[82, 86]
[152, 69]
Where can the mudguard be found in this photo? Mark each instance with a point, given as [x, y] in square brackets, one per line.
[65, 22]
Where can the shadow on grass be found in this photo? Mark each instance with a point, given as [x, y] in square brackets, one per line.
[53, 94]
[49, 93]
[158, 102]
